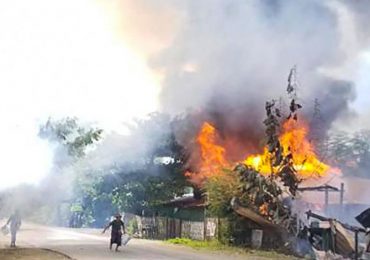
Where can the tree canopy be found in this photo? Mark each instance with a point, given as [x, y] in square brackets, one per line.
[350, 152]
[146, 167]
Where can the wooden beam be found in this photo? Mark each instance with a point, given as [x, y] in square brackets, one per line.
[347, 226]
[251, 215]
[320, 188]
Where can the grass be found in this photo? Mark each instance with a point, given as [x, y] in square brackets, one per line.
[197, 244]
[215, 245]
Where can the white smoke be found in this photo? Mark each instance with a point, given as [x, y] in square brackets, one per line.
[88, 59]
[62, 58]
[224, 55]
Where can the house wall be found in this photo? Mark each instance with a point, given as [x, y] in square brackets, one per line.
[165, 228]
[211, 228]
[192, 214]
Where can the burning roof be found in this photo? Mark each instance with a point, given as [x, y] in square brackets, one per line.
[288, 153]
[298, 151]
[267, 181]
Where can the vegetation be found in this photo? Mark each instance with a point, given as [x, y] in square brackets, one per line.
[71, 135]
[207, 244]
[350, 152]
[138, 180]
[140, 184]
[215, 245]
[132, 226]
[221, 188]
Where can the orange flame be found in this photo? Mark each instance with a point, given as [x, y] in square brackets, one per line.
[293, 140]
[263, 209]
[213, 155]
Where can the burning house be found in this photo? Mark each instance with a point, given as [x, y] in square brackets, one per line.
[270, 184]
[270, 189]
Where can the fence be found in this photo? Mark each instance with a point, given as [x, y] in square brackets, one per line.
[166, 228]
[211, 228]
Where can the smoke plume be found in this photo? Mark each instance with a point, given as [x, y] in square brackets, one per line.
[225, 58]
[218, 60]
[231, 56]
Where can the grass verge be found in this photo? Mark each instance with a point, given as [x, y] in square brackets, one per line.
[215, 245]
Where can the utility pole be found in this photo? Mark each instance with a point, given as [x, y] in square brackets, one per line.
[341, 194]
[326, 198]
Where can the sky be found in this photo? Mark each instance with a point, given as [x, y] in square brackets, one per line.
[63, 58]
[361, 104]
[93, 59]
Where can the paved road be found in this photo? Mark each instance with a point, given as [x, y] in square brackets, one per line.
[90, 244]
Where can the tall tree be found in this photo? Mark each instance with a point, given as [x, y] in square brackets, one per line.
[69, 133]
[350, 152]
[72, 140]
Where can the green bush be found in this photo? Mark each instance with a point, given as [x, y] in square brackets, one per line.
[221, 188]
[216, 245]
[209, 244]
[132, 226]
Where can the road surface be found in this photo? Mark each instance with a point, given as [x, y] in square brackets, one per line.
[90, 244]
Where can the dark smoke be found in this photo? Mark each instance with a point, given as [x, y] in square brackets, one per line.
[229, 57]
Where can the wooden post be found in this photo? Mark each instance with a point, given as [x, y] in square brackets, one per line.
[205, 224]
[205, 218]
[341, 194]
[180, 228]
[326, 198]
[356, 245]
[298, 223]
[218, 229]
[166, 235]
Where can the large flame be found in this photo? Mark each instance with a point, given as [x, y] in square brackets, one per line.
[293, 140]
[212, 155]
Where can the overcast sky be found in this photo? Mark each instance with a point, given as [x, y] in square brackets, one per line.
[63, 58]
[89, 59]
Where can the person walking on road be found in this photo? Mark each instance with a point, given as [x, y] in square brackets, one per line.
[117, 229]
[15, 223]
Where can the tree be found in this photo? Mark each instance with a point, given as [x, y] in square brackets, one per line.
[350, 152]
[72, 141]
[144, 190]
[146, 168]
[140, 170]
[221, 189]
[69, 133]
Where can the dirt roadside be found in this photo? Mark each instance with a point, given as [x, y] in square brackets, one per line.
[30, 253]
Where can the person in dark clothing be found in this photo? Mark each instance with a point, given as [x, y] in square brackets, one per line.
[117, 229]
